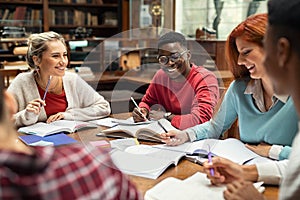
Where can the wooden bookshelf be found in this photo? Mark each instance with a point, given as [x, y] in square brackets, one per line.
[103, 17]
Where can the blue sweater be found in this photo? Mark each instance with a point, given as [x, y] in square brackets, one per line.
[278, 125]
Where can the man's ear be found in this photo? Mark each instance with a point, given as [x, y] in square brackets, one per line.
[189, 55]
[10, 103]
[283, 51]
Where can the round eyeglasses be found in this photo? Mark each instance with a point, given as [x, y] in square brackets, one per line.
[174, 57]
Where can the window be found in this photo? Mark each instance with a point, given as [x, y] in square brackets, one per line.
[193, 14]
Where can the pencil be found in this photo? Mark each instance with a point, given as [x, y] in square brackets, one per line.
[110, 136]
[47, 87]
[160, 124]
[132, 99]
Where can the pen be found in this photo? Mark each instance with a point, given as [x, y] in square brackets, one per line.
[111, 136]
[132, 99]
[194, 160]
[212, 172]
[47, 87]
[160, 124]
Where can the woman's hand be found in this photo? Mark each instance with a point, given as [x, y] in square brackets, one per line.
[174, 137]
[57, 116]
[34, 106]
[261, 149]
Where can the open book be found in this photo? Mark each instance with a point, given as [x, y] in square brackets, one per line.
[151, 161]
[230, 148]
[149, 130]
[43, 129]
[196, 186]
[144, 160]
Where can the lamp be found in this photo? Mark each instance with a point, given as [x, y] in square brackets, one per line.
[156, 11]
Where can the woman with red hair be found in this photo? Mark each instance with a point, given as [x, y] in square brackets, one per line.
[267, 122]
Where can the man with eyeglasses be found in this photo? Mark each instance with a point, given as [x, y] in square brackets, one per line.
[181, 92]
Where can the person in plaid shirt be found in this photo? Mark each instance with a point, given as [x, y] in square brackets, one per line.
[66, 172]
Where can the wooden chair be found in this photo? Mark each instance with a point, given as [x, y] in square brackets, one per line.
[8, 75]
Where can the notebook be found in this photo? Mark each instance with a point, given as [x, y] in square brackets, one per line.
[54, 140]
[43, 129]
[196, 186]
[230, 148]
[145, 161]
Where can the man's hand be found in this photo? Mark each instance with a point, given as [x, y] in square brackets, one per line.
[174, 137]
[139, 115]
[242, 190]
[226, 171]
[156, 114]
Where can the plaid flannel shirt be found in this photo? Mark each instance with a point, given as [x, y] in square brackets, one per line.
[66, 172]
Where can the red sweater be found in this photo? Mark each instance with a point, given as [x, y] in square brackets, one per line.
[55, 103]
[191, 101]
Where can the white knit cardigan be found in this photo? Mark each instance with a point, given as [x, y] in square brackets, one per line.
[83, 102]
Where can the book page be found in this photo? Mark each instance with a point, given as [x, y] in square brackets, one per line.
[73, 125]
[234, 150]
[144, 161]
[108, 122]
[154, 130]
[231, 148]
[149, 131]
[195, 187]
[42, 129]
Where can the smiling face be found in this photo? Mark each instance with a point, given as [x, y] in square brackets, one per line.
[54, 60]
[251, 57]
[181, 67]
[272, 60]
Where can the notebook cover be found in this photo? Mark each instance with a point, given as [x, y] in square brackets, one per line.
[56, 139]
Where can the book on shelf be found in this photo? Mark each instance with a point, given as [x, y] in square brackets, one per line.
[53, 140]
[193, 187]
[44, 129]
[20, 13]
[148, 130]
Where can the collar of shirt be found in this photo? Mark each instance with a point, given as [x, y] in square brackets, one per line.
[27, 164]
[254, 87]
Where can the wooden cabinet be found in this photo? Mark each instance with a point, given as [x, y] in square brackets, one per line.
[103, 17]
[208, 52]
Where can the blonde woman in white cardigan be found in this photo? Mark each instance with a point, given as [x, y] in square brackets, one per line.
[49, 93]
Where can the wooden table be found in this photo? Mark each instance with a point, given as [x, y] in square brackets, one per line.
[183, 170]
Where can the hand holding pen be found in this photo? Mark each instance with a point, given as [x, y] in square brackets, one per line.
[224, 171]
[211, 170]
[139, 114]
[35, 105]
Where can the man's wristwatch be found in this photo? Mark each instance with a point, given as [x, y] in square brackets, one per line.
[167, 115]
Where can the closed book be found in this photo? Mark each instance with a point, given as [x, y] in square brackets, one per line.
[54, 140]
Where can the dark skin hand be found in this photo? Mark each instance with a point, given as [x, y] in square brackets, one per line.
[140, 116]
